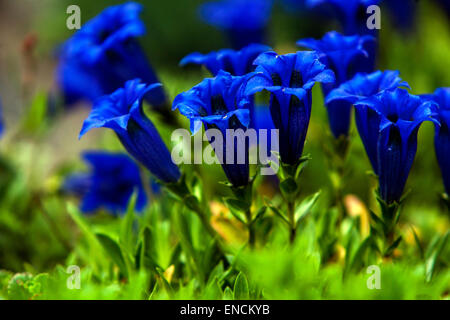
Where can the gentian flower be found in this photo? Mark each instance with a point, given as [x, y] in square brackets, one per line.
[244, 21]
[289, 78]
[442, 137]
[122, 112]
[236, 62]
[110, 183]
[350, 13]
[361, 87]
[341, 54]
[396, 116]
[220, 103]
[105, 53]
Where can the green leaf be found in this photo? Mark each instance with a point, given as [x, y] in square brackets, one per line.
[37, 112]
[191, 202]
[94, 245]
[148, 253]
[419, 245]
[126, 230]
[301, 165]
[228, 294]
[260, 214]
[434, 258]
[217, 272]
[184, 232]
[115, 253]
[358, 258]
[393, 246]
[241, 291]
[18, 287]
[279, 214]
[304, 208]
[288, 187]
[238, 208]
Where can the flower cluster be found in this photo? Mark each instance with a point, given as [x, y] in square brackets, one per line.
[105, 60]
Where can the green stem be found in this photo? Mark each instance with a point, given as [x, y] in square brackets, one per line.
[337, 165]
[390, 213]
[245, 194]
[291, 217]
[251, 230]
[205, 221]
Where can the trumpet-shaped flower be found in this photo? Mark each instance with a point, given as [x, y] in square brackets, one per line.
[110, 183]
[122, 112]
[342, 54]
[361, 87]
[442, 136]
[220, 103]
[396, 116]
[350, 13]
[289, 78]
[105, 53]
[244, 21]
[236, 62]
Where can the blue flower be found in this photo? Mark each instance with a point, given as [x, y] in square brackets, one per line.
[220, 103]
[236, 62]
[396, 116]
[342, 55]
[110, 183]
[350, 13]
[363, 86]
[289, 78]
[105, 53]
[122, 112]
[442, 137]
[244, 21]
